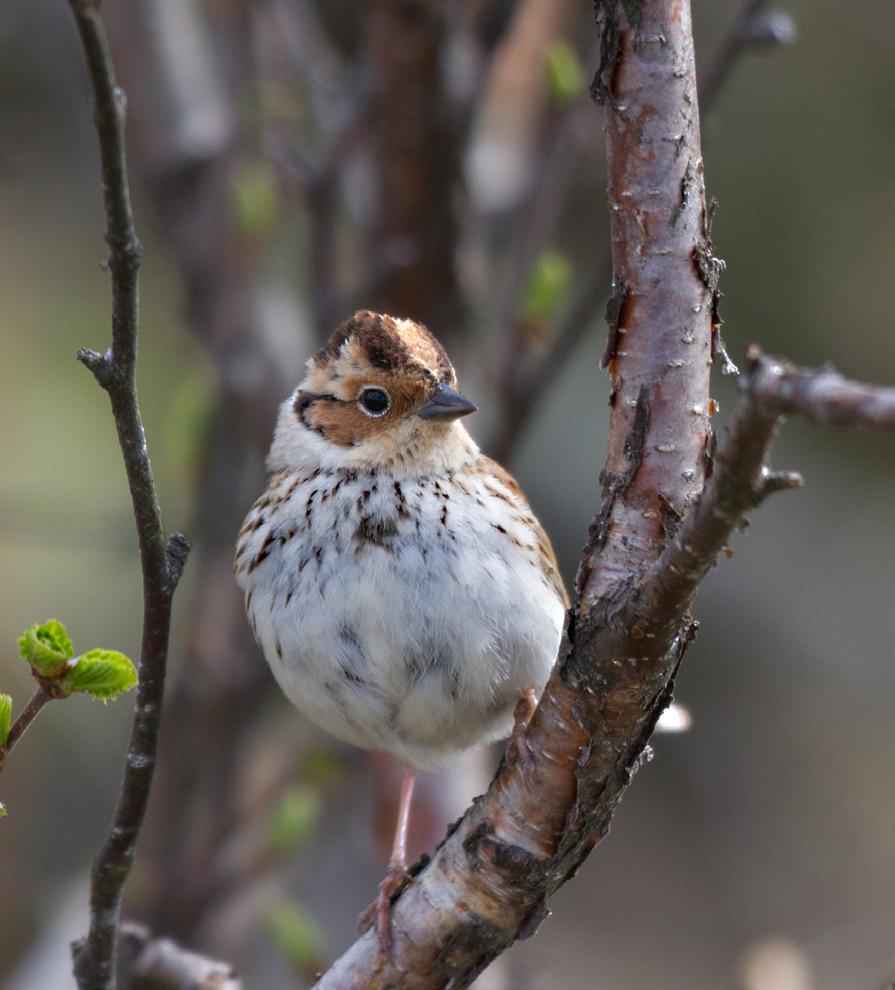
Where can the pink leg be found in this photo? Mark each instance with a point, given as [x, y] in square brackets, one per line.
[396, 874]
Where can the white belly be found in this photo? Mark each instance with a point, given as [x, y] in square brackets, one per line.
[400, 618]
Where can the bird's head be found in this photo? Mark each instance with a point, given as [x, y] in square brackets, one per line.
[381, 393]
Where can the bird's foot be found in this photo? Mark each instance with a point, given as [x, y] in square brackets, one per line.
[520, 751]
[394, 881]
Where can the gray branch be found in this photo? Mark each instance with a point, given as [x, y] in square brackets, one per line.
[161, 559]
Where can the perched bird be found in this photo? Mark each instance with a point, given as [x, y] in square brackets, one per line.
[402, 591]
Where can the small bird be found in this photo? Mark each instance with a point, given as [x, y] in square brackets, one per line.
[403, 593]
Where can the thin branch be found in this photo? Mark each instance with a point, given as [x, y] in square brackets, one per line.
[25, 717]
[754, 27]
[822, 395]
[161, 560]
[161, 964]
[771, 387]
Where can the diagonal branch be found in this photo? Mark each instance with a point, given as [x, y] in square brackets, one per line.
[161, 560]
[24, 719]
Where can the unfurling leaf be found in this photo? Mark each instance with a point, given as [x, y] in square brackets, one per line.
[102, 674]
[5, 718]
[296, 934]
[46, 647]
[565, 79]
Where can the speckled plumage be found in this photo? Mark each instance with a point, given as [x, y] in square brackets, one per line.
[401, 589]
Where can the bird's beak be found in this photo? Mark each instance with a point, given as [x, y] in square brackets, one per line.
[446, 404]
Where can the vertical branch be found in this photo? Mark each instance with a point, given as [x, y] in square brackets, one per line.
[417, 162]
[658, 352]
[161, 561]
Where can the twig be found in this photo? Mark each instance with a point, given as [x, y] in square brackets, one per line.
[771, 387]
[161, 964]
[161, 560]
[822, 395]
[25, 717]
[752, 28]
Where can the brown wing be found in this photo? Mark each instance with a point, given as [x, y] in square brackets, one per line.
[545, 547]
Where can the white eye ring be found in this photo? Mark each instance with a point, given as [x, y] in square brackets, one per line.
[371, 401]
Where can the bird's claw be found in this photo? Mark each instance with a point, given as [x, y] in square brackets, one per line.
[394, 881]
[522, 713]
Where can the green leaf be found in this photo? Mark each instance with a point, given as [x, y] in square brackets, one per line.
[5, 718]
[254, 198]
[296, 934]
[46, 647]
[102, 674]
[547, 287]
[565, 80]
[294, 818]
[2, 810]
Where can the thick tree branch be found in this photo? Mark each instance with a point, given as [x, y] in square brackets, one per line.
[161, 560]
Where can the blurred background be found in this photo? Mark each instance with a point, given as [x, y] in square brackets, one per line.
[292, 160]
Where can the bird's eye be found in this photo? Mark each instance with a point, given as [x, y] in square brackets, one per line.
[374, 401]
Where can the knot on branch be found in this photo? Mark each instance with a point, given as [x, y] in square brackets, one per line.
[517, 866]
[770, 482]
[100, 365]
[177, 550]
